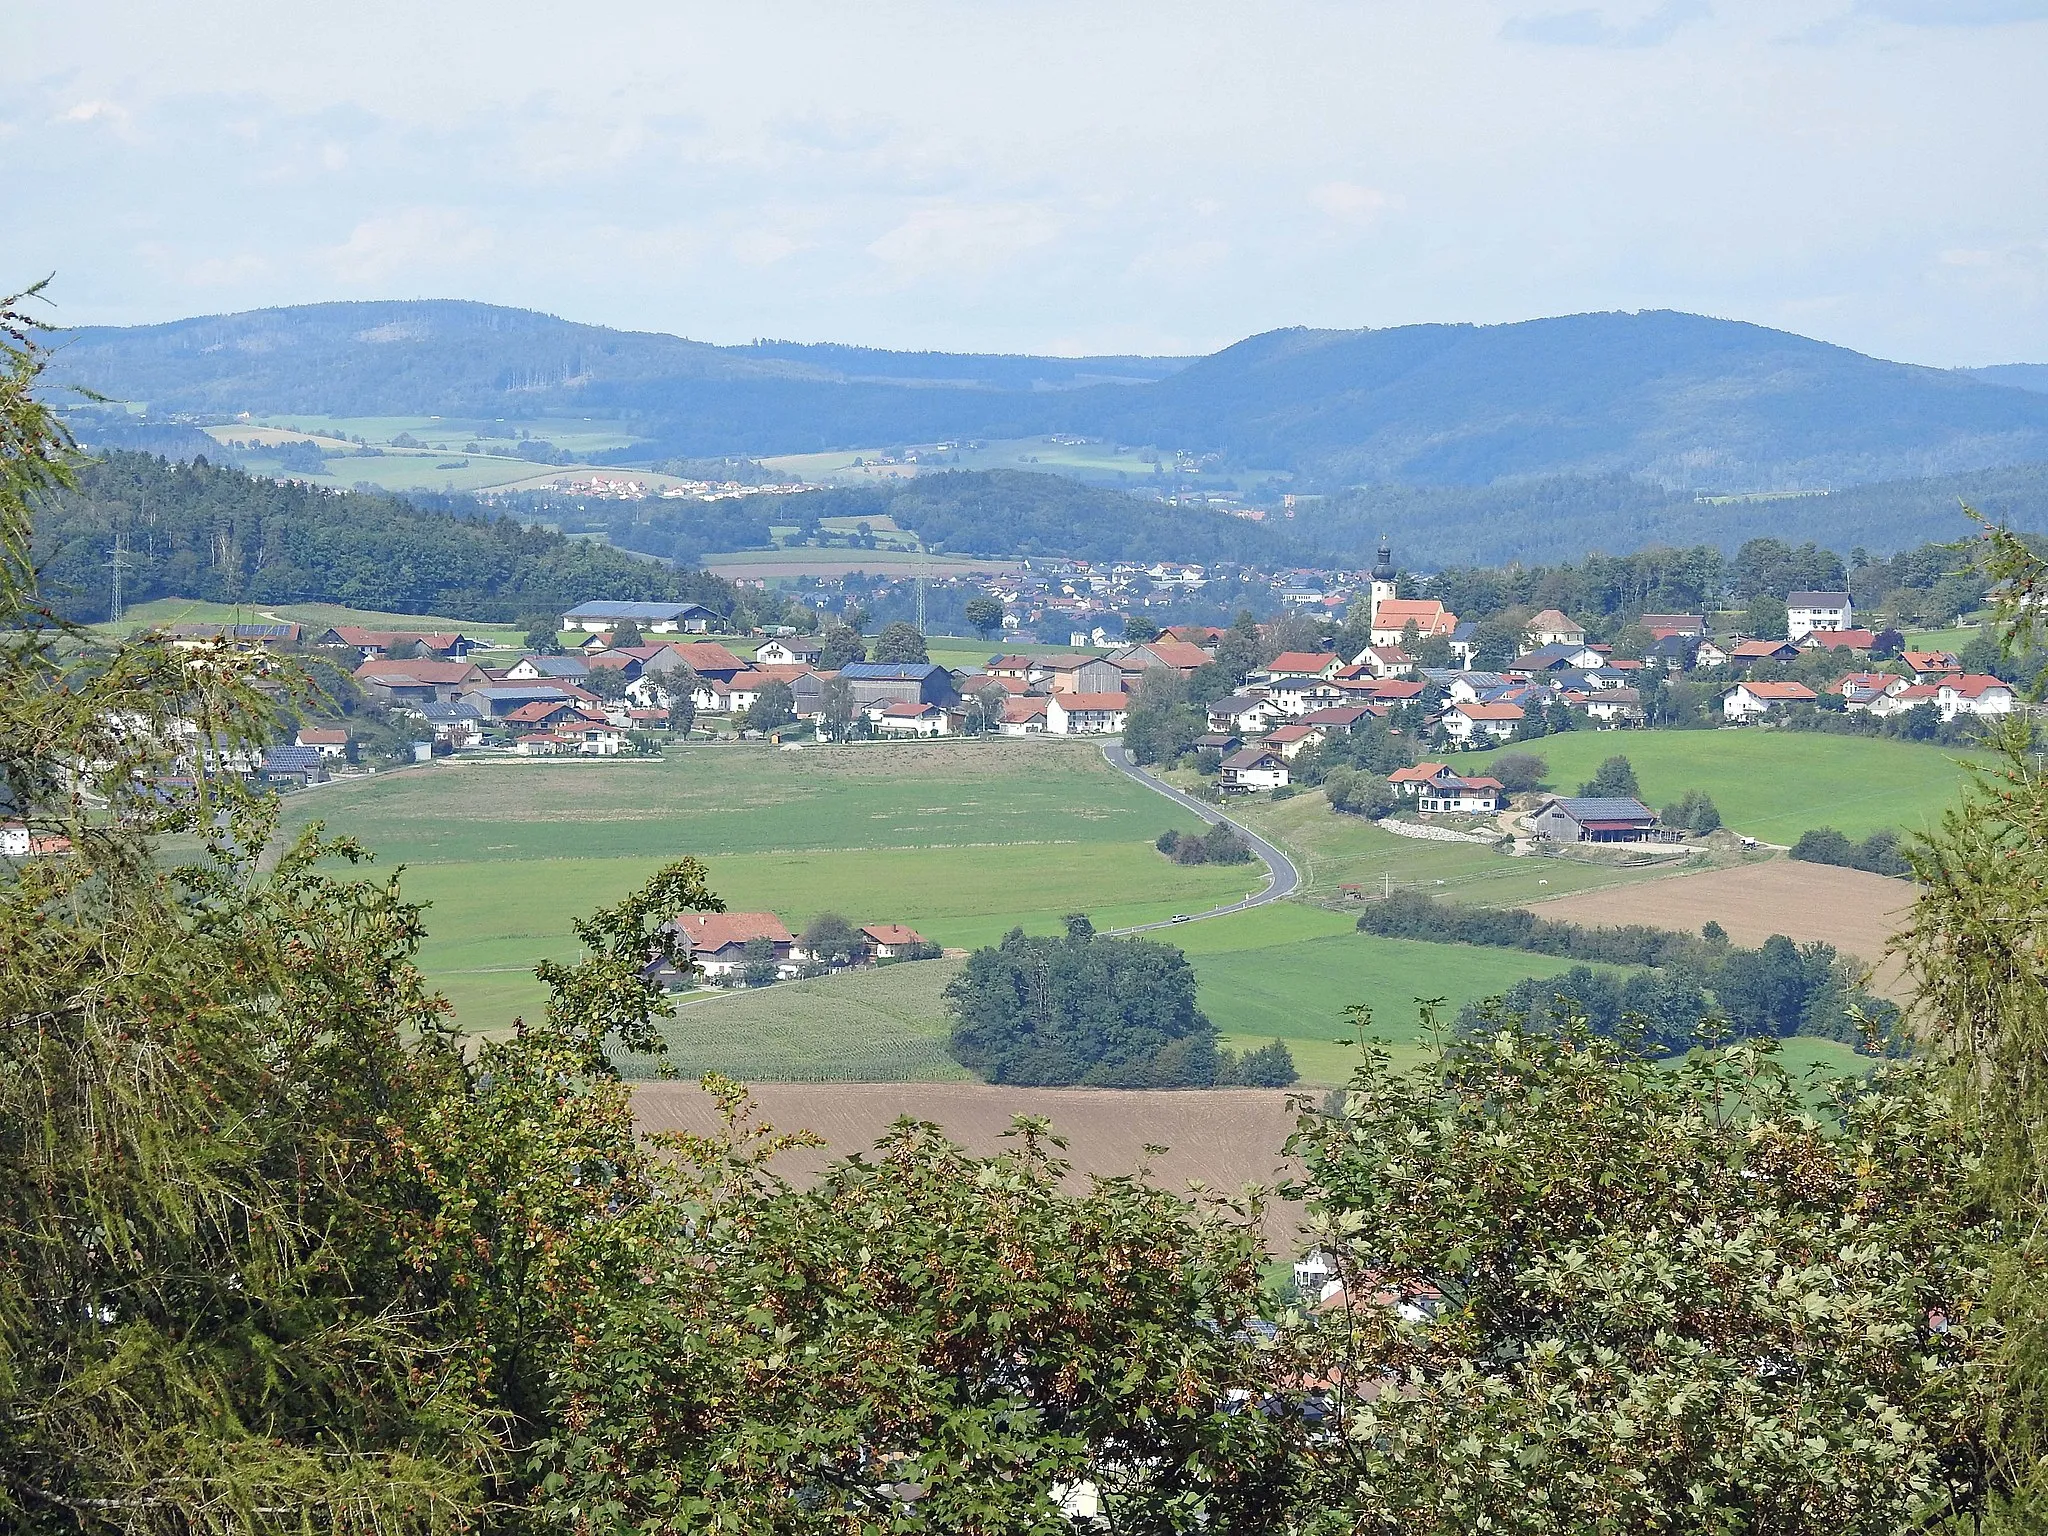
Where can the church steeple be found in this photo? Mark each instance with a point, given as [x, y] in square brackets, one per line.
[1384, 570]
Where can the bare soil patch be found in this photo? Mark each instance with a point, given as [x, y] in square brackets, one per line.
[1219, 1138]
[1855, 912]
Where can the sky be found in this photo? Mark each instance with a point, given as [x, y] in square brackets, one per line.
[1040, 176]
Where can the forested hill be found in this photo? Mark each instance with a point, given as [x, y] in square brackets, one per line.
[1685, 400]
[198, 530]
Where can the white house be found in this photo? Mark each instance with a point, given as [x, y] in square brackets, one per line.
[1551, 627]
[1085, 714]
[908, 717]
[1972, 694]
[793, 652]
[1291, 740]
[1470, 724]
[328, 742]
[1245, 713]
[1749, 701]
[1254, 768]
[1023, 717]
[1807, 611]
[1612, 706]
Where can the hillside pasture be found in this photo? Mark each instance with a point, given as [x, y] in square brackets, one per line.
[1767, 784]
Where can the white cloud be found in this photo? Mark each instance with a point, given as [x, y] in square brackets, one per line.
[1595, 29]
[413, 242]
[2017, 271]
[1349, 203]
[962, 240]
[763, 247]
[1954, 13]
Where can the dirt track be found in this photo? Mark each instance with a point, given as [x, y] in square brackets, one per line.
[1221, 1138]
[1855, 912]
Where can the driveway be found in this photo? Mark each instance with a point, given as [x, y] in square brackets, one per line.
[1282, 878]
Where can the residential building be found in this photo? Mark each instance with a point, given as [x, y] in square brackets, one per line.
[494, 701]
[294, 767]
[1085, 714]
[1750, 701]
[1246, 713]
[187, 636]
[1859, 641]
[372, 643]
[1023, 717]
[1972, 694]
[1674, 653]
[796, 650]
[1471, 687]
[715, 943]
[1550, 627]
[1301, 664]
[1575, 819]
[1386, 661]
[1410, 781]
[1291, 740]
[651, 618]
[1557, 657]
[1473, 724]
[1898, 701]
[571, 669]
[706, 658]
[1929, 666]
[1175, 655]
[1254, 767]
[1692, 626]
[1747, 653]
[909, 717]
[891, 941]
[1612, 706]
[1807, 611]
[1338, 719]
[1204, 636]
[1455, 795]
[18, 842]
[332, 743]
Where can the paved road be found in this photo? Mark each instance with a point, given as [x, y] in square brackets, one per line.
[1282, 878]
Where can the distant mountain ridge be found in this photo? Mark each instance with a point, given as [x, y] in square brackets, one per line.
[1683, 400]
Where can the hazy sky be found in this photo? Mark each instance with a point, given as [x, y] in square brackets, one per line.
[1023, 175]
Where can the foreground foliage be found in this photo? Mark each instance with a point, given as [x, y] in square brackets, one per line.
[1584, 1293]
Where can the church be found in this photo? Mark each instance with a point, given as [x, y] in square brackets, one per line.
[1391, 615]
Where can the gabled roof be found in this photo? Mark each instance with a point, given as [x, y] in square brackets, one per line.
[1590, 808]
[1973, 685]
[1252, 757]
[1817, 600]
[1023, 711]
[893, 671]
[558, 666]
[1338, 714]
[291, 759]
[1754, 650]
[1486, 711]
[1299, 663]
[1552, 619]
[1297, 731]
[1074, 702]
[706, 656]
[908, 709]
[321, 736]
[712, 931]
[1933, 661]
[1835, 639]
[892, 933]
[1784, 692]
[422, 672]
[1421, 773]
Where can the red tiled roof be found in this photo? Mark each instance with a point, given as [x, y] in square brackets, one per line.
[892, 933]
[438, 673]
[1488, 711]
[317, 737]
[707, 656]
[1786, 691]
[1310, 663]
[713, 931]
[1072, 702]
[1839, 639]
[1973, 685]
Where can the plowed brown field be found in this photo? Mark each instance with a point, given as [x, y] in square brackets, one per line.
[1855, 912]
[1221, 1138]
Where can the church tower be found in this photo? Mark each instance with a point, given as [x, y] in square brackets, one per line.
[1382, 589]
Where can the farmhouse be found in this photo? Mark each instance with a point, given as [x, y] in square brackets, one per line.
[1253, 768]
[706, 658]
[1085, 714]
[1434, 787]
[891, 941]
[1748, 701]
[1023, 717]
[1302, 664]
[1081, 674]
[715, 943]
[1859, 641]
[1807, 611]
[568, 669]
[651, 618]
[1570, 819]
[1175, 655]
[294, 767]
[1290, 741]
[372, 643]
[1747, 653]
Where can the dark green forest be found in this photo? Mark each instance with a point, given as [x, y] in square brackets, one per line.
[198, 530]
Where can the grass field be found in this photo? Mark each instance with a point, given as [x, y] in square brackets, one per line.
[885, 1025]
[314, 616]
[1770, 784]
[959, 840]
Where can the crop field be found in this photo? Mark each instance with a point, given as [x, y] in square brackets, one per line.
[1217, 1141]
[959, 840]
[1770, 784]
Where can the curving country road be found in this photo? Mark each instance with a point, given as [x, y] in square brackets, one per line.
[1282, 878]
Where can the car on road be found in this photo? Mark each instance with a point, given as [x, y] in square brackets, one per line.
[1180, 917]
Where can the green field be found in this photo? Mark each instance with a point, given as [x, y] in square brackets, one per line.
[314, 616]
[959, 840]
[1333, 851]
[1770, 784]
[885, 1025]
